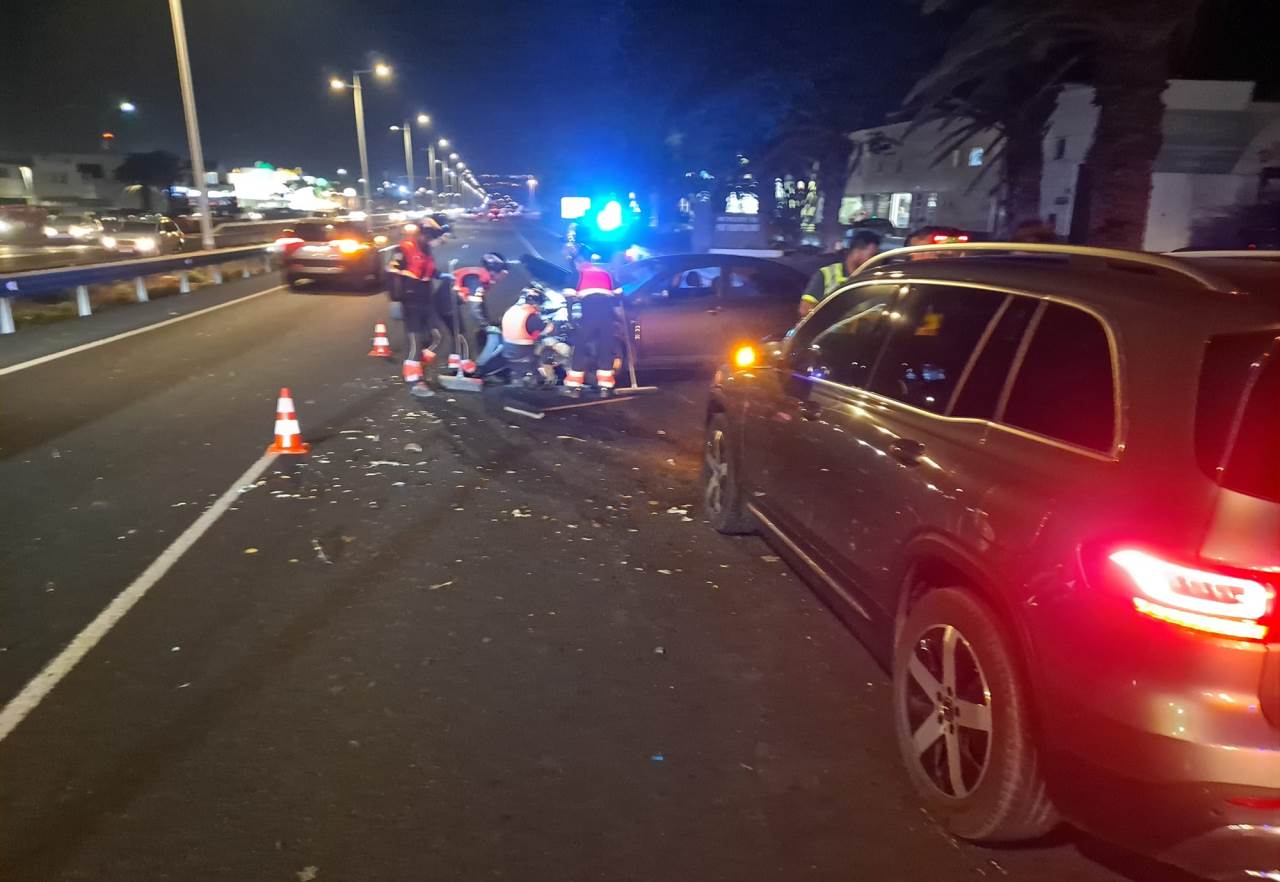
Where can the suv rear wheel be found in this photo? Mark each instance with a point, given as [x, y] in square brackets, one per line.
[963, 724]
[721, 495]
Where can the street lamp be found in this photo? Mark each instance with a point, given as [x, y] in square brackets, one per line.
[381, 71]
[127, 107]
[533, 185]
[406, 129]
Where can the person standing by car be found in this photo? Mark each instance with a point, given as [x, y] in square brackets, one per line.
[595, 318]
[425, 327]
[863, 245]
[522, 327]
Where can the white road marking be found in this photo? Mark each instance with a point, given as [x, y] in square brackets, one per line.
[54, 356]
[43, 683]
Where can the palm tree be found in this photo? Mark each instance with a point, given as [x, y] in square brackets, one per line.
[1002, 71]
[159, 169]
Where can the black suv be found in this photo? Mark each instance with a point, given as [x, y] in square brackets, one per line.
[1043, 484]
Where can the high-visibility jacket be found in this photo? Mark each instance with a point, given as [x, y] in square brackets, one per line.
[831, 275]
[484, 280]
[415, 260]
[521, 325]
[594, 279]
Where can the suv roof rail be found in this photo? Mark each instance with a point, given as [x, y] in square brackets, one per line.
[1114, 255]
[1239, 252]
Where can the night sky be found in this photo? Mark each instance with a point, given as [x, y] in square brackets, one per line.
[557, 89]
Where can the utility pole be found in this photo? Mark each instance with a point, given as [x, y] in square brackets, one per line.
[193, 125]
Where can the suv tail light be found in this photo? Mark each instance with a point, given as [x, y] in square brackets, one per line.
[1202, 600]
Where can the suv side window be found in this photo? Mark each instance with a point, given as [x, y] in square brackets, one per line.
[934, 331]
[980, 394]
[756, 283]
[1065, 386]
[841, 340]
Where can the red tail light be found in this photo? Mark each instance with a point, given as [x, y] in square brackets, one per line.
[1202, 600]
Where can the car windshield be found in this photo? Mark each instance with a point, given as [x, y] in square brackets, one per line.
[137, 226]
[633, 274]
[63, 220]
[324, 232]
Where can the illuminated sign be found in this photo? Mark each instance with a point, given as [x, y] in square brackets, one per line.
[573, 207]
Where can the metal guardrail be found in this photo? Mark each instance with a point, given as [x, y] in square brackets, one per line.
[79, 278]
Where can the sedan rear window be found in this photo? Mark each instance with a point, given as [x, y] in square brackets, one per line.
[324, 232]
[1238, 413]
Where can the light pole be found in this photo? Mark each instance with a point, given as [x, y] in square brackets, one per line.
[193, 125]
[533, 186]
[357, 93]
[407, 130]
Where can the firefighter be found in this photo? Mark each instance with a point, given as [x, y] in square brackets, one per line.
[482, 332]
[863, 246]
[596, 319]
[425, 328]
[522, 327]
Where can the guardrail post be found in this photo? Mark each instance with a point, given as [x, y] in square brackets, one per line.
[6, 315]
[184, 282]
[83, 306]
[217, 274]
[140, 288]
[266, 263]
[244, 272]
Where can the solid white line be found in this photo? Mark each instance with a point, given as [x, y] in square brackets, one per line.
[42, 684]
[54, 356]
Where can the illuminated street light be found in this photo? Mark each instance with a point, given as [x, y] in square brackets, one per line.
[424, 120]
[127, 107]
[443, 142]
[383, 71]
[453, 157]
[342, 171]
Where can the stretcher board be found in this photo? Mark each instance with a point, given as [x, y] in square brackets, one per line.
[536, 404]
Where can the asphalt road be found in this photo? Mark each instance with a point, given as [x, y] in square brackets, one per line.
[450, 643]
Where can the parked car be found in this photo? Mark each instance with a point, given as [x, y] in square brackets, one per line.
[74, 228]
[1042, 485]
[143, 236]
[687, 309]
[340, 251]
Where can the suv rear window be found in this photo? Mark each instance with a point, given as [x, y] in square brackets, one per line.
[314, 232]
[1238, 413]
[1065, 388]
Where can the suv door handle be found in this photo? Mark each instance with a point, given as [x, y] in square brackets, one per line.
[906, 451]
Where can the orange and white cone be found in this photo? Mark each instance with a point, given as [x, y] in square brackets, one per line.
[455, 361]
[381, 345]
[604, 379]
[288, 433]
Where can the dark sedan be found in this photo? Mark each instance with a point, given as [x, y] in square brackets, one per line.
[341, 251]
[690, 309]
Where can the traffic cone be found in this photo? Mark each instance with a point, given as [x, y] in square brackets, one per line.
[288, 434]
[454, 361]
[381, 345]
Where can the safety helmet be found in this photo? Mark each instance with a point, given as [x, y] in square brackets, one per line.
[429, 228]
[494, 262]
[534, 296]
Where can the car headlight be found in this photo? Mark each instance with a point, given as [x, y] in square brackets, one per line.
[5, 226]
[146, 243]
[108, 241]
[80, 232]
[50, 232]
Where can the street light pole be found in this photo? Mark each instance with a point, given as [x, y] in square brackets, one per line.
[408, 163]
[357, 93]
[193, 125]
[431, 171]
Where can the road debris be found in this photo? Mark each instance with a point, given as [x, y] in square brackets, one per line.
[320, 555]
[251, 550]
[440, 585]
[307, 874]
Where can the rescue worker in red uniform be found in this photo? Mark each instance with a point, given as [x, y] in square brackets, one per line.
[522, 327]
[425, 327]
[596, 328]
[483, 332]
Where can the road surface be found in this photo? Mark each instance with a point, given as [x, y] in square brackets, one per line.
[450, 643]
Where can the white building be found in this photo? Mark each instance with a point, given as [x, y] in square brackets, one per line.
[61, 178]
[1219, 146]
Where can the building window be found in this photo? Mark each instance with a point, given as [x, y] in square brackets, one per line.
[1060, 148]
[975, 156]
